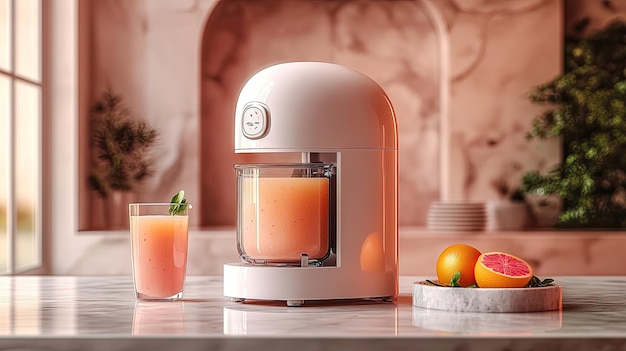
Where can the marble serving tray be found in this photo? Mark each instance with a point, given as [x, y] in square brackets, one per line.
[426, 295]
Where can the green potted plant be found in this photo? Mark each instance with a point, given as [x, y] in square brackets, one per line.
[587, 110]
[121, 149]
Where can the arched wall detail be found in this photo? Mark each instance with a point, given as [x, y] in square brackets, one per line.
[401, 45]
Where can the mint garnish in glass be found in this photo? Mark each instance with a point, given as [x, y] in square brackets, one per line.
[178, 204]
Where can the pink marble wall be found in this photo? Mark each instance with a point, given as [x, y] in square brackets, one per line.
[392, 42]
[499, 51]
[150, 51]
[180, 65]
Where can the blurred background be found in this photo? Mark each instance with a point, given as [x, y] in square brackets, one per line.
[458, 72]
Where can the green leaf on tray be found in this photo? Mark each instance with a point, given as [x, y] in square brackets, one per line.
[536, 282]
[432, 282]
[454, 281]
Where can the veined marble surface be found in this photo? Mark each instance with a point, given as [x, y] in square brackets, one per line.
[63, 312]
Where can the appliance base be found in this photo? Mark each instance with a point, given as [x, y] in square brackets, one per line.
[295, 285]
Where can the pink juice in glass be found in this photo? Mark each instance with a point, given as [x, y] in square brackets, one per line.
[282, 218]
[159, 248]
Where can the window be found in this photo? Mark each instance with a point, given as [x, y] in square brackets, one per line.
[20, 135]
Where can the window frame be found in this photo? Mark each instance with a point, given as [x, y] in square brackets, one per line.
[15, 78]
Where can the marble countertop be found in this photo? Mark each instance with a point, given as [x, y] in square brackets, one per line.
[67, 312]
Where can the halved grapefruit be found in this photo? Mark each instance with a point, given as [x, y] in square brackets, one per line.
[501, 270]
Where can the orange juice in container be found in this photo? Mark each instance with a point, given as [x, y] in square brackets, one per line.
[283, 212]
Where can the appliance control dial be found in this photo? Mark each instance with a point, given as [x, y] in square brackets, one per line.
[255, 120]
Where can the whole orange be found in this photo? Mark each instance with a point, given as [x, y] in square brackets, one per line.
[457, 258]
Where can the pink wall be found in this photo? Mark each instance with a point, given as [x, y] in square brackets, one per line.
[180, 65]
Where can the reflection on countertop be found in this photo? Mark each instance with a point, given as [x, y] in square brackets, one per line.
[60, 312]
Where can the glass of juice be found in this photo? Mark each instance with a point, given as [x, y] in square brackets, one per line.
[158, 250]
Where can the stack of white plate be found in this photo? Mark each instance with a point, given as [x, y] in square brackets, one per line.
[460, 216]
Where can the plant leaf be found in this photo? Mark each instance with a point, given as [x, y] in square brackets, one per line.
[454, 281]
[536, 282]
[432, 282]
[178, 204]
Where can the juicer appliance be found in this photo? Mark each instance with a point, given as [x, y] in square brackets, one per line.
[320, 221]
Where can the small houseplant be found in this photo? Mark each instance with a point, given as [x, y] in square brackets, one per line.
[587, 109]
[121, 145]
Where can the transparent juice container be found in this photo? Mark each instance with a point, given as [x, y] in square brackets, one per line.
[284, 212]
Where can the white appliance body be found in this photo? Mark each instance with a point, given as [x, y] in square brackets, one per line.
[327, 111]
